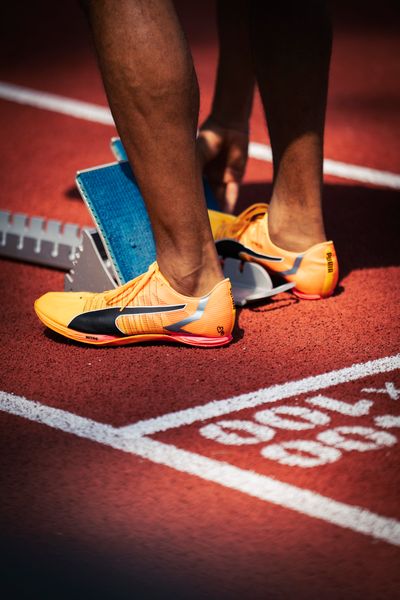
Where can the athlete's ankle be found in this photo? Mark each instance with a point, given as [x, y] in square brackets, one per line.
[192, 279]
[294, 226]
[193, 284]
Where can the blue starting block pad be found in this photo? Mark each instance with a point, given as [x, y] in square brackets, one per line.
[115, 202]
[118, 150]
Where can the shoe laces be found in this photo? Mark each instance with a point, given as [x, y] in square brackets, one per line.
[130, 290]
[242, 222]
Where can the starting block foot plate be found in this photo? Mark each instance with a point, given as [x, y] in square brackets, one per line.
[250, 282]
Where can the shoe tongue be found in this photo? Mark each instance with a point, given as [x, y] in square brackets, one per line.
[254, 217]
[258, 217]
[256, 211]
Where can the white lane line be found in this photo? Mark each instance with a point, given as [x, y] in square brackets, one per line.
[274, 393]
[101, 114]
[55, 103]
[338, 169]
[264, 488]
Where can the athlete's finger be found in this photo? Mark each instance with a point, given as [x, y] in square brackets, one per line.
[235, 164]
[208, 146]
[231, 196]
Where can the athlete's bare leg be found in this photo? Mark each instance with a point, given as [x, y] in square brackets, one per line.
[153, 94]
[291, 43]
[287, 46]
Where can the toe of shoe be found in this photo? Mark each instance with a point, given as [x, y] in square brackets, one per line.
[60, 307]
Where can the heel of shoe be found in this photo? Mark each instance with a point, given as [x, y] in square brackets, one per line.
[318, 274]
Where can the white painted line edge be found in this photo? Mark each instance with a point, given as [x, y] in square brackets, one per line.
[338, 169]
[303, 501]
[274, 393]
[55, 103]
[102, 114]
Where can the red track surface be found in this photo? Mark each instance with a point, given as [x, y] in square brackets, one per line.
[77, 516]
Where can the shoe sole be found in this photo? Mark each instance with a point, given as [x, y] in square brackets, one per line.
[109, 340]
[310, 296]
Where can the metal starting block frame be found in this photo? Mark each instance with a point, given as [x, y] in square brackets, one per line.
[80, 251]
[250, 282]
[92, 271]
[83, 253]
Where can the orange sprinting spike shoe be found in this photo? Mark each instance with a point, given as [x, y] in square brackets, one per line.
[144, 309]
[315, 272]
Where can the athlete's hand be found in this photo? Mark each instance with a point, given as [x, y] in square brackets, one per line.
[222, 155]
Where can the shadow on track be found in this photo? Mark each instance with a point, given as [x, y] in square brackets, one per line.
[362, 221]
[62, 569]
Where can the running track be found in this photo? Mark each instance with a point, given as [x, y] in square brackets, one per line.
[268, 469]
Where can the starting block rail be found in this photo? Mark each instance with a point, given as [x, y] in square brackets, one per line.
[38, 240]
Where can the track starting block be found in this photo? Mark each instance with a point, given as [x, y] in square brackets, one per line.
[121, 246]
[38, 240]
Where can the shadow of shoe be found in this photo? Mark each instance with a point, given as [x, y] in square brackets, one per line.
[362, 221]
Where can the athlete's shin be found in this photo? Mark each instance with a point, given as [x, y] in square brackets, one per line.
[292, 45]
[153, 92]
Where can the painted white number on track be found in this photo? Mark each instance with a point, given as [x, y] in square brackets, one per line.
[358, 409]
[318, 454]
[224, 432]
[328, 445]
[309, 418]
[387, 421]
[346, 438]
[389, 389]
